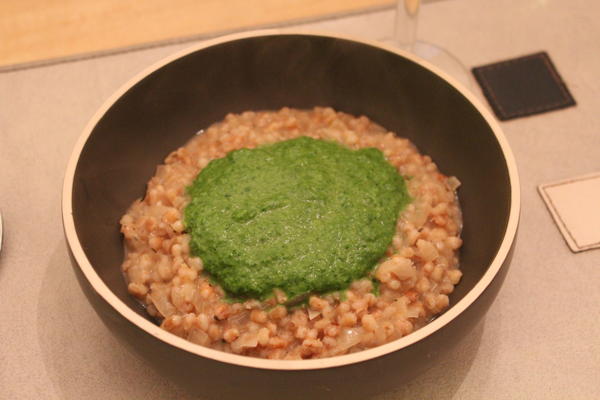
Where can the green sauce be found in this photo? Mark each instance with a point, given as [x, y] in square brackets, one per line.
[302, 215]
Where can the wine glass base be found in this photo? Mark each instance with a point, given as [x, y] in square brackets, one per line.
[444, 61]
[441, 59]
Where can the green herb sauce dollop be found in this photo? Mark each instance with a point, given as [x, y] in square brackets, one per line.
[302, 215]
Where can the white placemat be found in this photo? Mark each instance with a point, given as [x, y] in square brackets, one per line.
[575, 206]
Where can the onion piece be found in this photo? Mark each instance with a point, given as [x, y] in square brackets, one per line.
[413, 312]
[199, 337]
[240, 318]
[201, 305]
[453, 183]
[419, 217]
[348, 338]
[247, 340]
[312, 314]
[159, 295]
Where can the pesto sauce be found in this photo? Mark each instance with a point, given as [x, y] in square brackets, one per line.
[303, 216]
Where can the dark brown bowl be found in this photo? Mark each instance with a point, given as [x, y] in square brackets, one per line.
[162, 107]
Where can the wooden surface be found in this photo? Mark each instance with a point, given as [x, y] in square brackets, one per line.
[34, 30]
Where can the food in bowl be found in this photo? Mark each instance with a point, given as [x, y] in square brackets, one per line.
[217, 299]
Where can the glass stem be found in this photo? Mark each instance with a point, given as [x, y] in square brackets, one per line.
[405, 29]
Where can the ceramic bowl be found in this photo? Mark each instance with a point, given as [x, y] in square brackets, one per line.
[162, 107]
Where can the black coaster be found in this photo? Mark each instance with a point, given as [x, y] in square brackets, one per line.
[523, 86]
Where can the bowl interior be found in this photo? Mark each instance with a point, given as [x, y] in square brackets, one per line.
[164, 109]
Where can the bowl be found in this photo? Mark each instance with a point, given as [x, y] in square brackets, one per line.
[162, 107]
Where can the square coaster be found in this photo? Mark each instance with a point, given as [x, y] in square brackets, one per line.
[575, 207]
[523, 86]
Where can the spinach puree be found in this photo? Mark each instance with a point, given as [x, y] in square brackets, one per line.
[302, 215]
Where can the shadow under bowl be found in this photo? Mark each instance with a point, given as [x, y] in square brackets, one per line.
[164, 106]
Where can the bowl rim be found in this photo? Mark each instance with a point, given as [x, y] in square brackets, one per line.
[311, 364]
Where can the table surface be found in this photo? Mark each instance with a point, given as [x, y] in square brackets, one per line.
[539, 340]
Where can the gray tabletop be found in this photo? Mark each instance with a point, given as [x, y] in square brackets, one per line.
[540, 339]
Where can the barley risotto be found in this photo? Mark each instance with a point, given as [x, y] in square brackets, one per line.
[404, 289]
